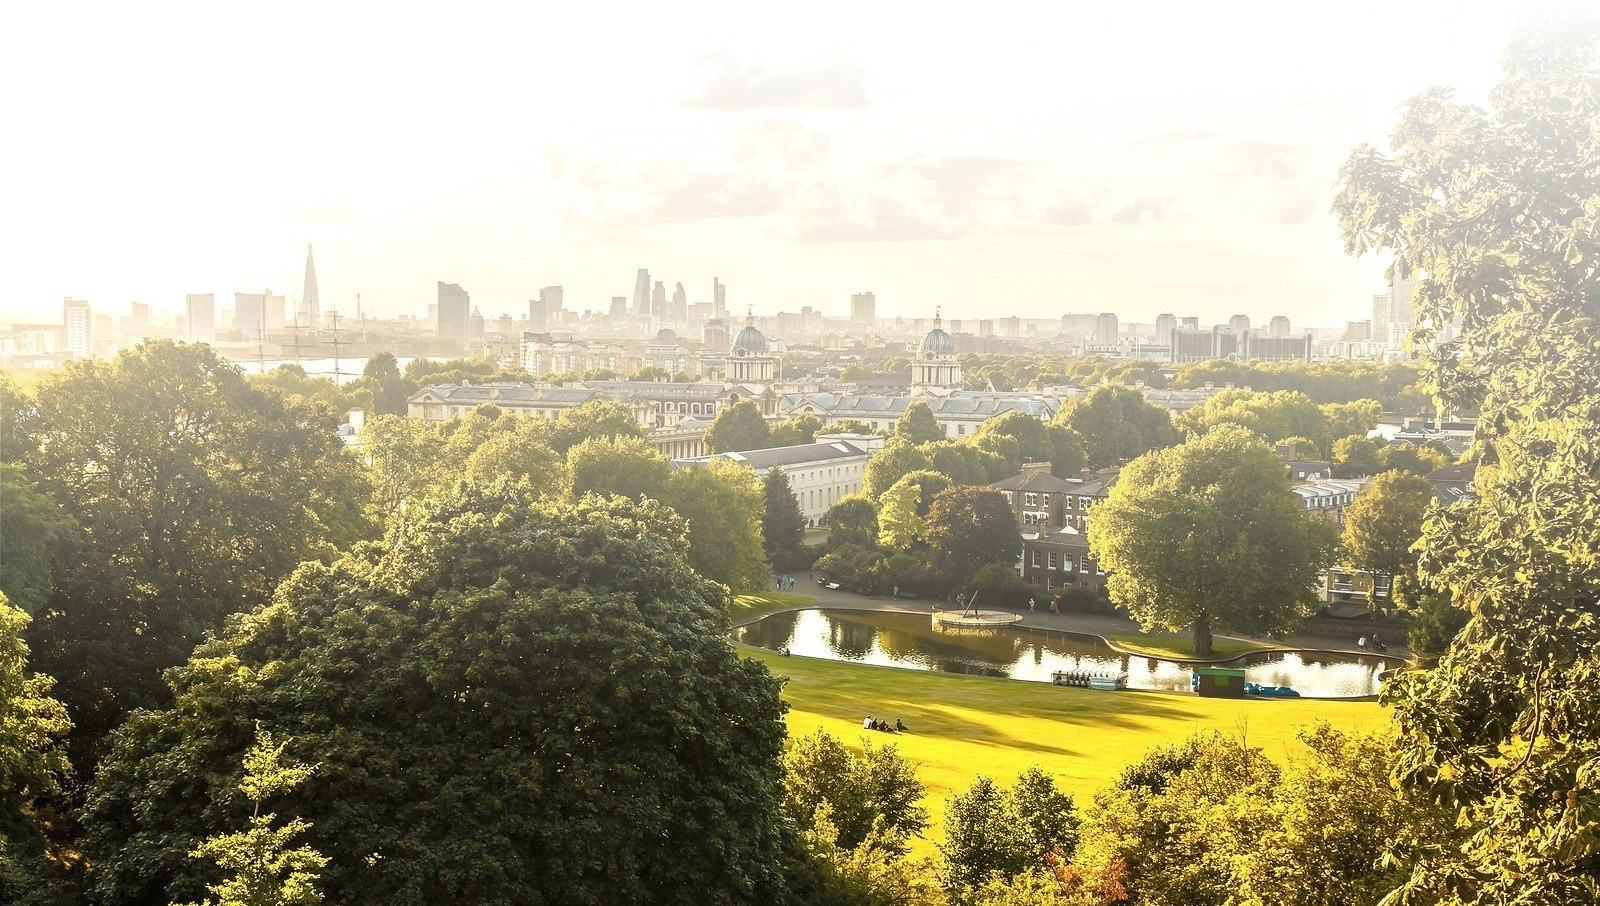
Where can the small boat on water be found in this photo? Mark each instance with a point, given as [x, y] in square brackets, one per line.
[1105, 682]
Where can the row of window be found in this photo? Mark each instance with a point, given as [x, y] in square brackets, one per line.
[1065, 563]
[1318, 503]
[1035, 498]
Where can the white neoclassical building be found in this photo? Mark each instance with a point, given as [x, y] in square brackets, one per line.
[935, 370]
[820, 473]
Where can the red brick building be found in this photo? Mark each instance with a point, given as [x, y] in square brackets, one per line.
[1053, 517]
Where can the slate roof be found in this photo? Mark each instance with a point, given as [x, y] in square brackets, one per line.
[957, 405]
[798, 455]
[1036, 480]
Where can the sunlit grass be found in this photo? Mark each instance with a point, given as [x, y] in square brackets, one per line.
[1170, 645]
[962, 726]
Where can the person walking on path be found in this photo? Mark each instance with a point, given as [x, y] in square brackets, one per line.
[1055, 608]
[1030, 605]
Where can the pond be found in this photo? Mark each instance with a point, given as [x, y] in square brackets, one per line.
[909, 640]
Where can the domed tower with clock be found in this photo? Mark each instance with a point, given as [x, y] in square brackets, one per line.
[750, 361]
[935, 369]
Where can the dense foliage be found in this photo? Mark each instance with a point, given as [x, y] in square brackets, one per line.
[506, 700]
[1207, 535]
[1495, 210]
[195, 493]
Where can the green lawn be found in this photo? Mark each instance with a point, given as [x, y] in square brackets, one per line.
[961, 726]
[745, 606]
[1172, 645]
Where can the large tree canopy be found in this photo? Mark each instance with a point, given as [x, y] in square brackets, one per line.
[34, 532]
[1383, 523]
[1495, 210]
[1115, 424]
[32, 760]
[196, 494]
[1207, 534]
[740, 426]
[505, 701]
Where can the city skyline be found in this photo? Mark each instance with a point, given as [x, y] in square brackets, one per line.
[1138, 169]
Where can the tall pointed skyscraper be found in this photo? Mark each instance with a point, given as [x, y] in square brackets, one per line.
[309, 311]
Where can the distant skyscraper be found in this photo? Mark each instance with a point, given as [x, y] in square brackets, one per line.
[1189, 323]
[309, 312]
[619, 306]
[641, 293]
[1105, 329]
[680, 304]
[455, 316]
[200, 317]
[1239, 323]
[78, 319]
[658, 300]
[864, 309]
[1399, 315]
[538, 315]
[553, 298]
[1165, 325]
[719, 299]
[1278, 326]
[257, 314]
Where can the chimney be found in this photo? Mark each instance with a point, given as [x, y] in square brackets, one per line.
[1035, 467]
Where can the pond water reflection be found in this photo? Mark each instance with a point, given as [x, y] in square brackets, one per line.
[909, 640]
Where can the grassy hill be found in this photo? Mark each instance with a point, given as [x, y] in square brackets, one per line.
[962, 726]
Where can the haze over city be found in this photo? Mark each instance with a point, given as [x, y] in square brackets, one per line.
[1148, 158]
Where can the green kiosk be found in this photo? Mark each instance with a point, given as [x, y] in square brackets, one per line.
[1219, 682]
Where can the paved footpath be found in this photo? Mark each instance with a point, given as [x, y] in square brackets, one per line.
[1317, 634]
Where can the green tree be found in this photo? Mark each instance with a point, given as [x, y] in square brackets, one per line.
[802, 429]
[917, 425]
[1046, 817]
[1382, 524]
[391, 391]
[783, 528]
[33, 761]
[405, 459]
[1037, 441]
[507, 701]
[889, 465]
[196, 493]
[1272, 415]
[875, 789]
[1207, 534]
[848, 426]
[740, 426]
[593, 420]
[1169, 830]
[853, 519]
[266, 869]
[33, 534]
[899, 524]
[905, 505]
[1115, 424]
[1493, 210]
[520, 455]
[983, 838]
[1356, 456]
[723, 503]
[1408, 458]
[621, 466]
[968, 528]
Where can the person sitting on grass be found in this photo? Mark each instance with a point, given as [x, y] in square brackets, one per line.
[867, 724]
[898, 726]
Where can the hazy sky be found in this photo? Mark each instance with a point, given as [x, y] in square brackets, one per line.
[996, 158]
